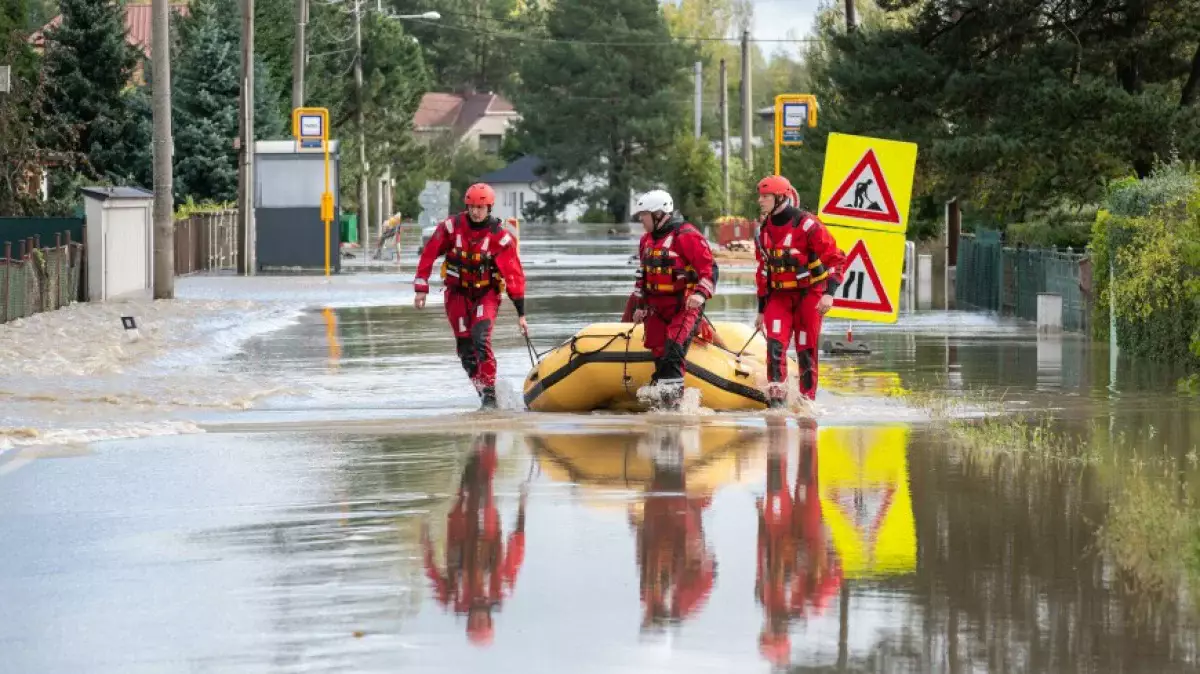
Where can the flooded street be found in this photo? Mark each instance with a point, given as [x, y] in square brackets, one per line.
[321, 495]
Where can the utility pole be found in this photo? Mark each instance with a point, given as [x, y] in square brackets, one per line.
[724, 103]
[747, 151]
[699, 99]
[364, 227]
[164, 148]
[851, 21]
[245, 227]
[298, 55]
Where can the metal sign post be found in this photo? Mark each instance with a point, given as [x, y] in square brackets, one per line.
[310, 126]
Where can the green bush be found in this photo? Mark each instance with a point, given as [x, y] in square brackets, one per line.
[1149, 231]
[596, 214]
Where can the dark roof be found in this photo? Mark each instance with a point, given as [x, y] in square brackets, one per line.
[520, 171]
[104, 193]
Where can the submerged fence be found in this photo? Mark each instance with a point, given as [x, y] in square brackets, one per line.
[1008, 280]
[206, 242]
[34, 279]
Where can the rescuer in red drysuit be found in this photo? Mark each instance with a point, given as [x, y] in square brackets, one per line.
[481, 261]
[481, 569]
[677, 569]
[796, 565]
[799, 269]
[673, 282]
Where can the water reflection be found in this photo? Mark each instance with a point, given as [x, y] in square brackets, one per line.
[798, 571]
[480, 565]
[677, 568]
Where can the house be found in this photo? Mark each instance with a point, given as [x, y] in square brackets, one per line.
[518, 184]
[138, 30]
[480, 120]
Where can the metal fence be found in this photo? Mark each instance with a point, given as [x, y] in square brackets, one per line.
[39, 279]
[1008, 280]
[206, 242]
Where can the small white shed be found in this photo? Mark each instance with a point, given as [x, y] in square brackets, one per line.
[120, 242]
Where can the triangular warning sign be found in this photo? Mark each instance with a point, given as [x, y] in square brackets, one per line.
[866, 507]
[864, 194]
[861, 288]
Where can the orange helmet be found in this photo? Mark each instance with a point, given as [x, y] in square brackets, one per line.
[775, 185]
[480, 194]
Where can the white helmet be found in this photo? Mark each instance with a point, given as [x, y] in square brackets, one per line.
[654, 200]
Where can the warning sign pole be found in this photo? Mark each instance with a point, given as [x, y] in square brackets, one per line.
[793, 114]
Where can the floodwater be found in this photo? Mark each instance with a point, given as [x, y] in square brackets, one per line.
[361, 516]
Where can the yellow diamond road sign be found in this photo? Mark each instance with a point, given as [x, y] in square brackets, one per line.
[870, 289]
[867, 182]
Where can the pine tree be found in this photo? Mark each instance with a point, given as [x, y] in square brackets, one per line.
[88, 65]
[19, 150]
[605, 99]
[206, 81]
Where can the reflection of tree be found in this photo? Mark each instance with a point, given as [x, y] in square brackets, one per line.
[1009, 578]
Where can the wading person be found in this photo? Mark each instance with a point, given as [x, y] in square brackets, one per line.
[481, 263]
[799, 270]
[673, 282]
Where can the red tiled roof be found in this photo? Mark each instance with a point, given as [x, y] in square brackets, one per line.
[459, 112]
[138, 26]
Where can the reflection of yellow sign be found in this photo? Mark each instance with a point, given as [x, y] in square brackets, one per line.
[865, 498]
[867, 182]
[870, 289]
[850, 379]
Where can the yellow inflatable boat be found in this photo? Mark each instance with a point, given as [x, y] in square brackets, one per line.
[604, 365]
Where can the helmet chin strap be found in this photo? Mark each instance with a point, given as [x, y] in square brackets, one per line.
[659, 222]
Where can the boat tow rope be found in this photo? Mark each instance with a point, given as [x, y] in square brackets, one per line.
[747, 344]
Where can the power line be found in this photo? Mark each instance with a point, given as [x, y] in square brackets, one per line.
[551, 40]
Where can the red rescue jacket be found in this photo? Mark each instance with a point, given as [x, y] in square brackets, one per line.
[796, 252]
[676, 261]
[479, 258]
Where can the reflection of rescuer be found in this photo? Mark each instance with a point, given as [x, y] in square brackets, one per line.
[672, 284]
[796, 565]
[677, 569]
[481, 568]
[481, 261]
[799, 269]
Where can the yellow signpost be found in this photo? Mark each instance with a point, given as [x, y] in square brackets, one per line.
[793, 114]
[310, 126]
[866, 190]
[866, 503]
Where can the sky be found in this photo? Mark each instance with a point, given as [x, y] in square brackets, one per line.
[774, 18]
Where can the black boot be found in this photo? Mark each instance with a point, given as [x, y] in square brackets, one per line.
[487, 398]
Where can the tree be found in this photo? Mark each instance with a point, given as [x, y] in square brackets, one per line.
[476, 45]
[206, 87]
[21, 153]
[394, 80]
[88, 66]
[1019, 104]
[692, 174]
[604, 98]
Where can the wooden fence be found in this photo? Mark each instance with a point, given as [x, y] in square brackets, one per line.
[206, 242]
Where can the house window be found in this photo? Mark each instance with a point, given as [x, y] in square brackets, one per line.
[490, 143]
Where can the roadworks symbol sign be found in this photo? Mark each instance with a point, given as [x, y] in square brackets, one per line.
[861, 288]
[865, 194]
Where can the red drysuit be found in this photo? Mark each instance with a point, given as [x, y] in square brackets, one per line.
[798, 262]
[676, 261]
[481, 260]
